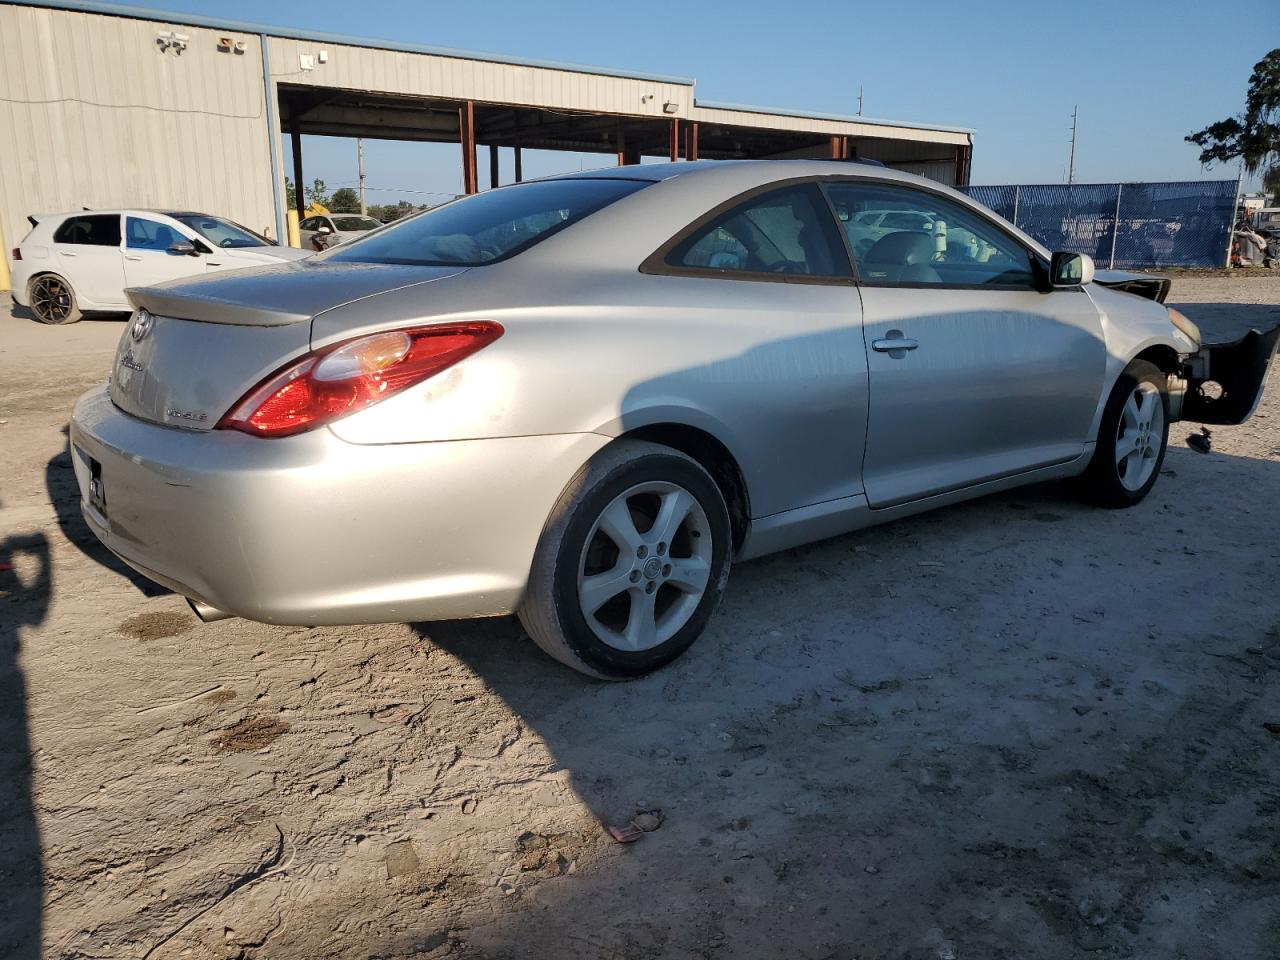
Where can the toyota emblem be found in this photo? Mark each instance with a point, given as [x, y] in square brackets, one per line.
[142, 325]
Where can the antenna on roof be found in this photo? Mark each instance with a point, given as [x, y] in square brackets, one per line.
[859, 99]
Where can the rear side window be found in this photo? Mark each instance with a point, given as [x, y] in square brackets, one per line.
[95, 230]
[489, 226]
[785, 232]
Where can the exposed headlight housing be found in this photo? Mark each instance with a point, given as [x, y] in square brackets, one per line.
[1185, 326]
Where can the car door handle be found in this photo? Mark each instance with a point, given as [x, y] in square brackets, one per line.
[133, 258]
[892, 344]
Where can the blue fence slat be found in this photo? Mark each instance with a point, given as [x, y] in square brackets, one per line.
[1125, 225]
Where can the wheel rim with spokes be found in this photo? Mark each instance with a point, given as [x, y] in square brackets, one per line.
[1139, 436]
[50, 299]
[645, 566]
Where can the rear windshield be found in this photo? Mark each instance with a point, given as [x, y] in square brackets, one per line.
[489, 226]
[355, 224]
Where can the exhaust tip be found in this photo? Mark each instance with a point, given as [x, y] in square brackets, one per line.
[207, 612]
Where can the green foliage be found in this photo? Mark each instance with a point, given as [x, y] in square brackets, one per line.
[1252, 136]
[344, 200]
[386, 212]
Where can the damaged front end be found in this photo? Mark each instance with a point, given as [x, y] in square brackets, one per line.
[1222, 382]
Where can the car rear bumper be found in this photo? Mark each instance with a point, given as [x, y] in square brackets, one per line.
[312, 530]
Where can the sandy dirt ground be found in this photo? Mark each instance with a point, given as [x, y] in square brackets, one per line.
[1019, 728]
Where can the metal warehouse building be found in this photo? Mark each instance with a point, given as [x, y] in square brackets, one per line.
[107, 106]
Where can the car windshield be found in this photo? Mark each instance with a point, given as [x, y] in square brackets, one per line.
[221, 233]
[355, 224]
[489, 226]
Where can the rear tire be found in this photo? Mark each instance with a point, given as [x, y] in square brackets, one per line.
[632, 562]
[1132, 438]
[52, 300]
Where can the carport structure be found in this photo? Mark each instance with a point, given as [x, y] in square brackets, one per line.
[709, 132]
[328, 85]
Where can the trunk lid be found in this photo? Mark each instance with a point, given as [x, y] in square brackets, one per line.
[278, 294]
[196, 346]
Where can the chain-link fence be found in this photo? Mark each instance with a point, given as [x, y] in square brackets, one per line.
[1127, 225]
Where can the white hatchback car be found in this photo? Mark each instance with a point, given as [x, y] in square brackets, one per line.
[76, 263]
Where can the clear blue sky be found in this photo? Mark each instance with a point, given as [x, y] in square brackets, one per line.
[1143, 73]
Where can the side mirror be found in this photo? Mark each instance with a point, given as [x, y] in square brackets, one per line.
[183, 248]
[1070, 269]
[323, 229]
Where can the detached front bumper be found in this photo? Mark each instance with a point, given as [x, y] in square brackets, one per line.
[311, 530]
[1224, 381]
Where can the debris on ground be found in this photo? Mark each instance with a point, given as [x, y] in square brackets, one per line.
[644, 822]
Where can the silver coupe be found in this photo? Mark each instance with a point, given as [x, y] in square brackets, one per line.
[582, 399]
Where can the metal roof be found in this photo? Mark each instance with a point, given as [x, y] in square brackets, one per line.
[810, 115]
[244, 26]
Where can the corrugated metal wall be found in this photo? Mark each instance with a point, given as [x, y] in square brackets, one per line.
[93, 113]
[452, 78]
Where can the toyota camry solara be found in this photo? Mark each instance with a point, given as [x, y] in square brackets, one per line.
[581, 399]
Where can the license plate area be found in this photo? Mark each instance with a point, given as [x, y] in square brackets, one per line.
[95, 488]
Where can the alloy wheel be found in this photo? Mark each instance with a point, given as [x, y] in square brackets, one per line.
[51, 300]
[645, 566]
[1139, 436]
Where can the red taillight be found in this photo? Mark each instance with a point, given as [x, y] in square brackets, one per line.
[349, 376]
[17, 254]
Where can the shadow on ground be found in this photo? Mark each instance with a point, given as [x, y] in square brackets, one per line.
[26, 587]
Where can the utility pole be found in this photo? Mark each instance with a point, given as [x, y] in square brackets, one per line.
[360, 164]
[859, 99]
[1071, 163]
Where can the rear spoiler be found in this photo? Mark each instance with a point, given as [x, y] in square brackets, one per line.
[1139, 284]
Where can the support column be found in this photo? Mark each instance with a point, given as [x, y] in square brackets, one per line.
[493, 165]
[467, 138]
[673, 139]
[620, 141]
[519, 166]
[964, 159]
[691, 141]
[839, 148]
[296, 138]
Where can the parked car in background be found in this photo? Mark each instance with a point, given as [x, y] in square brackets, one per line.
[71, 264]
[331, 229]
[867, 226]
[583, 399]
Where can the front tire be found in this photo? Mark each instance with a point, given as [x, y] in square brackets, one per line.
[52, 300]
[1132, 438]
[632, 563]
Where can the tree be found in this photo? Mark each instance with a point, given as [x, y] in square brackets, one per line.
[318, 193]
[290, 194]
[344, 200]
[392, 211]
[1252, 136]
